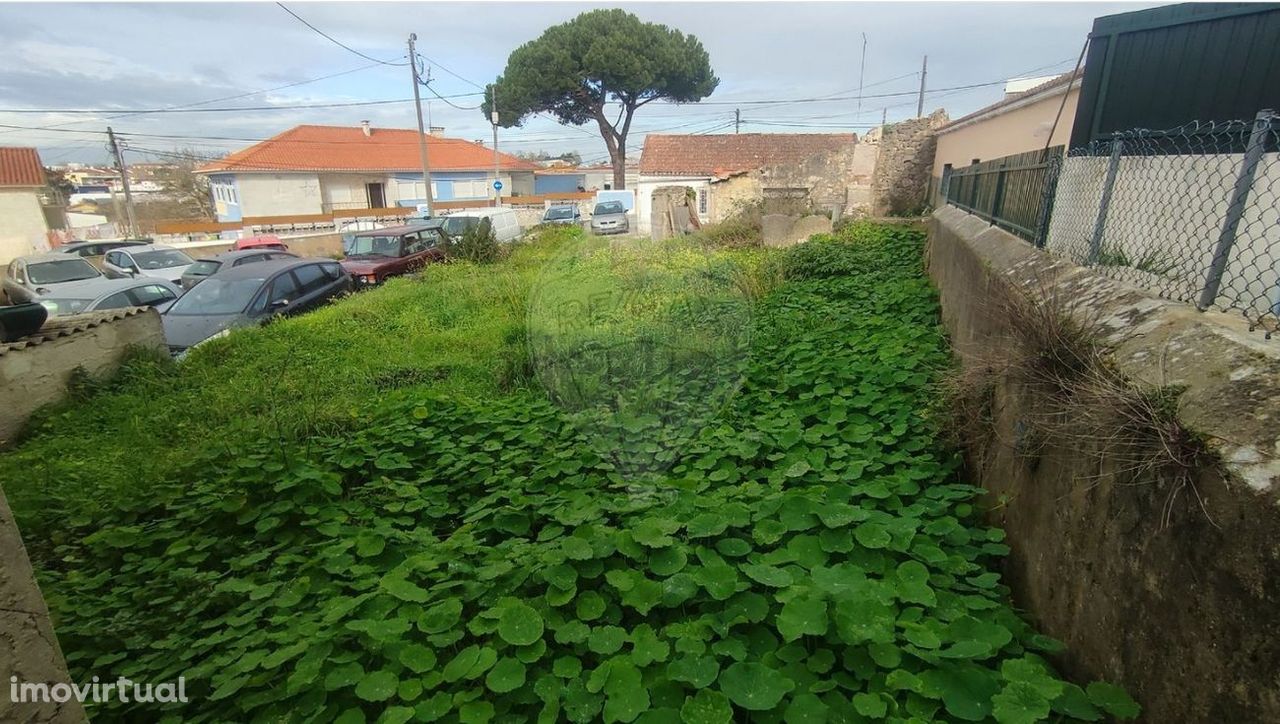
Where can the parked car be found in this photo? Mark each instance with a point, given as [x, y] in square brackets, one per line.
[92, 251]
[159, 262]
[609, 217]
[566, 214]
[251, 294]
[98, 294]
[374, 256]
[505, 224]
[202, 268]
[30, 278]
[266, 241]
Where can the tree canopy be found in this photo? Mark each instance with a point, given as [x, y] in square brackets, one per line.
[575, 70]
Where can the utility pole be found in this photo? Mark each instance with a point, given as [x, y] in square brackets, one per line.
[737, 120]
[124, 182]
[924, 73]
[493, 118]
[862, 70]
[422, 132]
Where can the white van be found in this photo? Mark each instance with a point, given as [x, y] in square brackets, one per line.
[506, 228]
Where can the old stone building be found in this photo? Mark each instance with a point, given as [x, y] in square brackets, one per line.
[904, 165]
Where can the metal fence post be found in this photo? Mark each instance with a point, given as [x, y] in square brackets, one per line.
[1095, 243]
[1052, 168]
[1235, 210]
[997, 201]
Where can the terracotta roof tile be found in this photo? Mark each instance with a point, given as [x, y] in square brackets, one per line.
[728, 154]
[20, 167]
[346, 148]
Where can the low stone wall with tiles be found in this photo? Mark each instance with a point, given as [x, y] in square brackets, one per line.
[1168, 585]
[35, 370]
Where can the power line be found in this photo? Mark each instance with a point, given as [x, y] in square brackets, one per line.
[332, 39]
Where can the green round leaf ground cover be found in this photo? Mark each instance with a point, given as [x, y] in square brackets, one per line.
[811, 557]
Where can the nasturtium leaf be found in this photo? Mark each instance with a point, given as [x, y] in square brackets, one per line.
[733, 547]
[646, 647]
[667, 561]
[606, 639]
[475, 712]
[441, 617]
[720, 580]
[802, 615]
[699, 671]
[806, 708]
[377, 686]
[1075, 703]
[567, 667]
[768, 575]
[344, 675]
[403, 589]
[1113, 700]
[705, 525]
[754, 686]
[966, 691]
[870, 705]
[369, 544]
[519, 624]
[872, 535]
[625, 694]
[506, 675]
[913, 583]
[798, 469]
[351, 716]
[1019, 703]
[590, 606]
[707, 706]
[461, 663]
[418, 658]
[655, 532]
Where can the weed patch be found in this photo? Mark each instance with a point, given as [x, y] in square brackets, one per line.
[810, 555]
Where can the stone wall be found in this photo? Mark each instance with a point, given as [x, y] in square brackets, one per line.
[839, 181]
[35, 370]
[1166, 585]
[900, 184]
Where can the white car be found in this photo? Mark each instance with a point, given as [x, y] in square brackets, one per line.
[153, 260]
[506, 227]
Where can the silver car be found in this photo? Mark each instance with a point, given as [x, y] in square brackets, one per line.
[609, 217]
[31, 278]
[153, 260]
[98, 294]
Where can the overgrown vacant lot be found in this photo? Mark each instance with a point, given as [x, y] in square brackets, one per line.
[407, 530]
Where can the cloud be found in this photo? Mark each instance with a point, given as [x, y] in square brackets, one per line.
[155, 55]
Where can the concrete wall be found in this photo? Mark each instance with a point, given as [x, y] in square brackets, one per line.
[1169, 210]
[264, 194]
[28, 648]
[327, 244]
[901, 181]
[22, 225]
[1170, 591]
[1018, 129]
[34, 371]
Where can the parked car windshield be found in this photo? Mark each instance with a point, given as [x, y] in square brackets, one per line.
[216, 296]
[160, 258]
[56, 272]
[65, 306]
[559, 212]
[375, 246]
[204, 267]
[609, 207]
[455, 225]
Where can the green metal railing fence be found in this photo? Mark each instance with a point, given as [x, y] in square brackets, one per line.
[1013, 192]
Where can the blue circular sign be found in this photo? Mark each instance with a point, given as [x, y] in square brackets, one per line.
[497, 185]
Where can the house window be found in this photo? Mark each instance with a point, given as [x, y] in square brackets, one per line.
[702, 202]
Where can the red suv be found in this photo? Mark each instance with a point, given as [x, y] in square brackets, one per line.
[373, 256]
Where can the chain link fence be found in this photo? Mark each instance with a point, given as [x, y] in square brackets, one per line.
[1190, 213]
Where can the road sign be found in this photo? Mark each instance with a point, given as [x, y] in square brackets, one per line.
[497, 185]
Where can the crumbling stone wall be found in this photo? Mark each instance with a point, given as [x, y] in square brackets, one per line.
[835, 181]
[900, 184]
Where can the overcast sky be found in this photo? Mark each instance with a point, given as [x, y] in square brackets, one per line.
[157, 55]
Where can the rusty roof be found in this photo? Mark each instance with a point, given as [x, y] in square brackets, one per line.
[347, 148]
[732, 153]
[20, 166]
[56, 328]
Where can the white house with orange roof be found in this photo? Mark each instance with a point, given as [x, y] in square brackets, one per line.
[23, 228]
[320, 169]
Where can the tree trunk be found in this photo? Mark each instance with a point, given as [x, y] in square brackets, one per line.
[619, 158]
